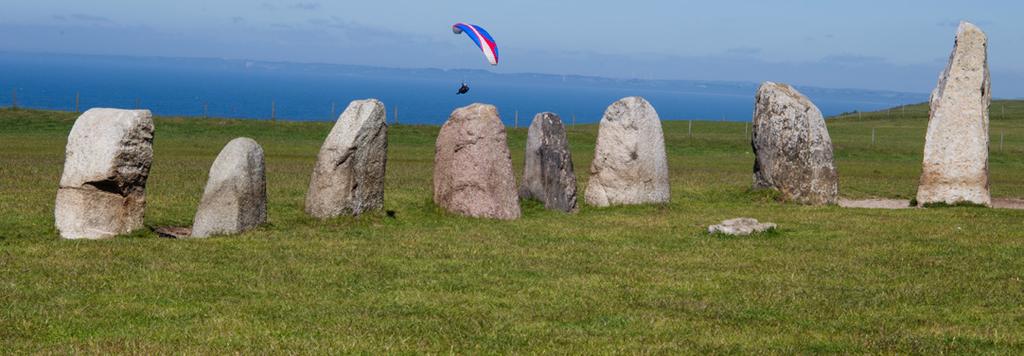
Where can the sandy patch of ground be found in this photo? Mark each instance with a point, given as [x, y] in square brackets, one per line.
[1008, 203]
[875, 203]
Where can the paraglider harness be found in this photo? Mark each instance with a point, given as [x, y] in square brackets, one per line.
[463, 89]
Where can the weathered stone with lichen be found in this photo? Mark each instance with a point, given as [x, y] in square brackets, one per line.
[740, 226]
[630, 165]
[102, 190]
[348, 178]
[472, 165]
[955, 168]
[792, 148]
[235, 198]
[547, 171]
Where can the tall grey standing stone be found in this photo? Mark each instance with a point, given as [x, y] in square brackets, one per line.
[630, 166]
[235, 198]
[348, 178]
[102, 191]
[548, 173]
[955, 166]
[792, 148]
[472, 165]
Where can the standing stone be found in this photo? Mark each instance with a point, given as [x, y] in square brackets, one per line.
[956, 146]
[630, 166]
[102, 192]
[792, 148]
[472, 165]
[548, 173]
[348, 178]
[235, 198]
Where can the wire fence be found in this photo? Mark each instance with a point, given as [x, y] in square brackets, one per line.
[77, 103]
[1003, 136]
[255, 109]
[274, 109]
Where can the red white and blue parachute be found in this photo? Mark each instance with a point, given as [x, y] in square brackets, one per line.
[481, 38]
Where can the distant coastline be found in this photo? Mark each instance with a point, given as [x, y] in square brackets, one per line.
[311, 91]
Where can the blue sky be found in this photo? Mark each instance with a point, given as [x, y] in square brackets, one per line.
[893, 45]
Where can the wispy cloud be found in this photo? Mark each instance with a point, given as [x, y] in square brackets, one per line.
[309, 6]
[743, 51]
[363, 33]
[90, 18]
[83, 18]
[853, 59]
[237, 20]
[816, 37]
[954, 23]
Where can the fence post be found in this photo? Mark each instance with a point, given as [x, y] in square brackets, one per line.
[396, 115]
[744, 130]
[689, 128]
[206, 110]
[1001, 134]
[872, 136]
[516, 123]
[332, 111]
[273, 110]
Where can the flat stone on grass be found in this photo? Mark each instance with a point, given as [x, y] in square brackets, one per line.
[740, 227]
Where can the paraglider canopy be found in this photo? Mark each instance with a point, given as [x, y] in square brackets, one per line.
[482, 39]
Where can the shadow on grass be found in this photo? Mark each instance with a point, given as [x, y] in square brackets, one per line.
[963, 204]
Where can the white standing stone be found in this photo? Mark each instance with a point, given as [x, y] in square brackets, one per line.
[629, 166]
[792, 148]
[102, 190]
[235, 198]
[955, 166]
[348, 178]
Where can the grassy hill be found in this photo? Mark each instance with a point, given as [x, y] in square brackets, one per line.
[623, 279]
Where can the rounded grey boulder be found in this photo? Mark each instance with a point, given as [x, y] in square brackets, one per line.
[235, 198]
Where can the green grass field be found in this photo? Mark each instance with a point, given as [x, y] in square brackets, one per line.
[642, 279]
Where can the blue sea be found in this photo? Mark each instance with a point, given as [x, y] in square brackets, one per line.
[296, 91]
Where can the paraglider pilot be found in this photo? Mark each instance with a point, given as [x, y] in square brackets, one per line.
[483, 41]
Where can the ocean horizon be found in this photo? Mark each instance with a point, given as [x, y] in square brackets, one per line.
[248, 89]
